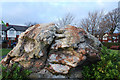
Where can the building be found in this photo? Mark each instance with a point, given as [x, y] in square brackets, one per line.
[11, 33]
[107, 37]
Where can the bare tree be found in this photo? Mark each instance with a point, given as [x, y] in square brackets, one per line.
[85, 24]
[103, 28]
[100, 23]
[92, 22]
[113, 17]
[113, 21]
[68, 19]
[30, 24]
[118, 28]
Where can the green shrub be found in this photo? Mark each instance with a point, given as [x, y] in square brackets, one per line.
[14, 73]
[107, 68]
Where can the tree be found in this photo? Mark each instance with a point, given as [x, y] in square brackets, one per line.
[113, 17]
[113, 21]
[100, 23]
[92, 22]
[118, 28]
[68, 19]
[103, 28]
[85, 24]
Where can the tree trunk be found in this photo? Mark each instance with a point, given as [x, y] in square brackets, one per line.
[112, 38]
[119, 39]
[111, 33]
[101, 38]
[92, 30]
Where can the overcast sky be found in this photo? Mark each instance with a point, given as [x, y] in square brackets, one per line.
[45, 12]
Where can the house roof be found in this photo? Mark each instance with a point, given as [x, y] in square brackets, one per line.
[16, 27]
[114, 34]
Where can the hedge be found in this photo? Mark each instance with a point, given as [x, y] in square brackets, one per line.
[108, 45]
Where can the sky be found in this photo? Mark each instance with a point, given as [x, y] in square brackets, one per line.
[21, 12]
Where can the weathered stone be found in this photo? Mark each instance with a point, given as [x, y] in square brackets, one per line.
[75, 73]
[48, 50]
[26, 64]
[45, 74]
[58, 68]
[63, 59]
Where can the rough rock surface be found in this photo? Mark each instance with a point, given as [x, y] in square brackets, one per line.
[52, 52]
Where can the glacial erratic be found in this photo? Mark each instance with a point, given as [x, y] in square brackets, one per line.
[52, 52]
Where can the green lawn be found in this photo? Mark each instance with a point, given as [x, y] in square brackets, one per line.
[4, 51]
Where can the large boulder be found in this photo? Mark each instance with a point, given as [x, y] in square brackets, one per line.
[52, 52]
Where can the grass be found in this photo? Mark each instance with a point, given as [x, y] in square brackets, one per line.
[4, 51]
